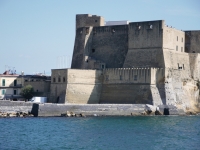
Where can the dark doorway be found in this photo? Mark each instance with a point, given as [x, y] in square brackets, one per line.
[166, 111]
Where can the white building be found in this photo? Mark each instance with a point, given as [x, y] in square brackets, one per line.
[10, 86]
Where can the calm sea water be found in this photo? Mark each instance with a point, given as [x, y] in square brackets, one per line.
[46, 133]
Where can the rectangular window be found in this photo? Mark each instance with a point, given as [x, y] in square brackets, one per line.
[63, 79]
[54, 79]
[135, 77]
[15, 92]
[15, 82]
[182, 39]
[3, 92]
[58, 79]
[177, 38]
[176, 48]
[3, 82]
[120, 77]
[183, 67]
[181, 49]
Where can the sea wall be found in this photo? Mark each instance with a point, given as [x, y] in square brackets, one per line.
[50, 109]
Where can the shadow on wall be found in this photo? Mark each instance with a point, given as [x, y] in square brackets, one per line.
[162, 93]
[35, 109]
[95, 93]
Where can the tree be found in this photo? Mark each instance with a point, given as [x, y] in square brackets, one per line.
[27, 92]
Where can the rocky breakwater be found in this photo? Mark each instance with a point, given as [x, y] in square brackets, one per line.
[15, 109]
[14, 114]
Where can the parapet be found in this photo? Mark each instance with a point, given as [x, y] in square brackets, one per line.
[84, 20]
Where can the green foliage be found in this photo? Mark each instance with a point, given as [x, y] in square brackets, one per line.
[27, 92]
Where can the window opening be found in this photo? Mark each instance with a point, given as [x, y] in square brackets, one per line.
[176, 48]
[181, 49]
[182, 39]
[63, 79]
[95, 20]
[3, 82]
[102, 66]
[120, 77]
[177, 38]
[15, 82]
[93, 50]
[135, 77]
[58, 79]
[54, 79]
[193, 51]
[15, 92]
[3, 92]
[183, 67]
[151, 26]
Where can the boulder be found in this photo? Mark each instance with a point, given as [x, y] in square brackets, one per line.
[72, 114]
[82, 115]
[151, 109]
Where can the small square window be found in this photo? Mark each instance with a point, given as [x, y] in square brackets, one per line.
[95, 20]
[151, 26]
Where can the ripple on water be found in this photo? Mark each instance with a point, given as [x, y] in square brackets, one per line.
[158, 132]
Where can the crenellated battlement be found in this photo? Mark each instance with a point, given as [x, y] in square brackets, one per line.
[133, 75]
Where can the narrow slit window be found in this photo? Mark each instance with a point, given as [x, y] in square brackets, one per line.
[176, 48]
[135, 77]
[63, 79]
[177, 38]
[120, 77]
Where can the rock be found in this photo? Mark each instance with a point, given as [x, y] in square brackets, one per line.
[68, 114]
[191, 113]
[150, 108]
[72, 114]
[63, 115]
[158, 112]
[82, 115]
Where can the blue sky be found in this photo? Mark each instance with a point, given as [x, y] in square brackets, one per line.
[37, 36]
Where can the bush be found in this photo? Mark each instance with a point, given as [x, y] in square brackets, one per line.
[27, 92]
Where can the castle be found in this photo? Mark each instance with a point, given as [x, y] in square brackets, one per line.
[130, 63]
